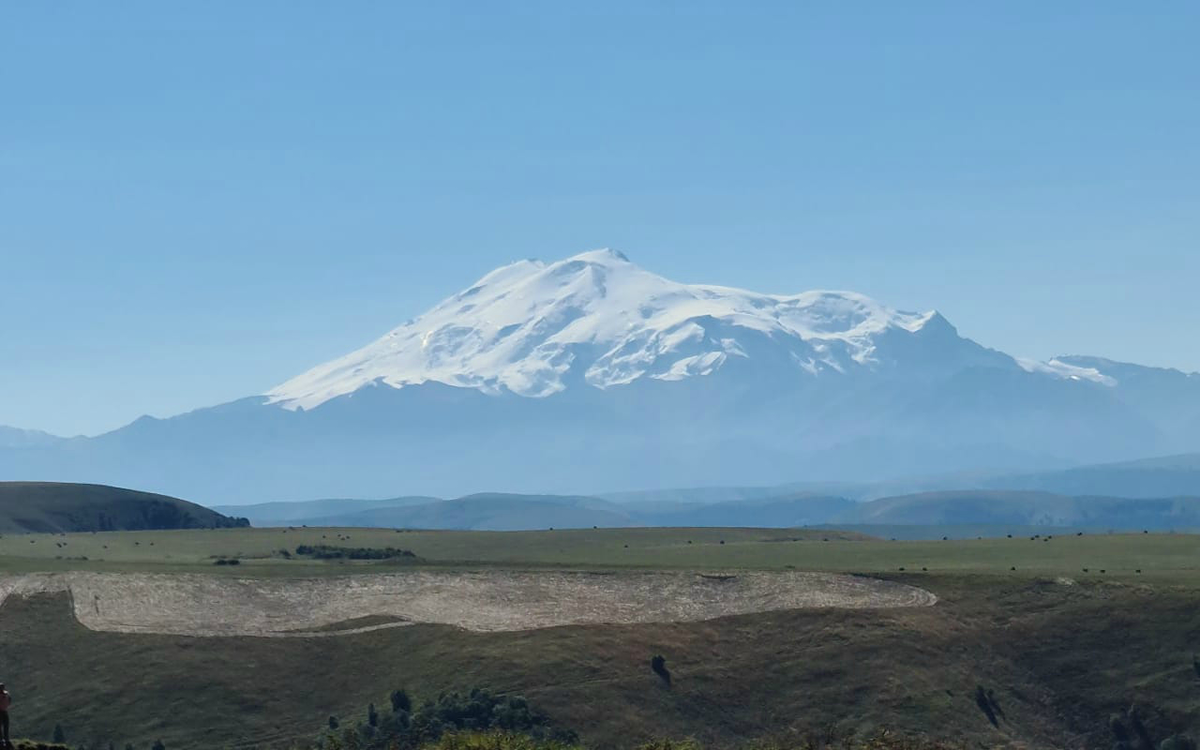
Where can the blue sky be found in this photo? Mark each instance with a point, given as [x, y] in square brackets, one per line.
[200, 200]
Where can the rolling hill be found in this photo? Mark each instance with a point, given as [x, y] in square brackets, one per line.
[51, 507]
[490, 512]
[983, 512]
[1029, 509]
[1165, 476]
[340, 511]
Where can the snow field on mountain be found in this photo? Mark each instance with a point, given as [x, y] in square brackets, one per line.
[527, 327]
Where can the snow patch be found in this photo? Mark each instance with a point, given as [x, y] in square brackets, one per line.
[1064, 371]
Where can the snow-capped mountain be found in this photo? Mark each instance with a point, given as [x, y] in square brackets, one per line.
[599, 320]
[592, 374]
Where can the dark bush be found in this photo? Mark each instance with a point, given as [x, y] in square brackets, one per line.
[478, 711]
[1117, 727]
[1139, 728]
[401, 701]
[327, 552]
[981, 700]
[658, 664]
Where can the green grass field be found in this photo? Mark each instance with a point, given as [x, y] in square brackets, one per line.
[1169, 557]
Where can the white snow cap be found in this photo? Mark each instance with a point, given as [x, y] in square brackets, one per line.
[1064, 371]
[524, 327]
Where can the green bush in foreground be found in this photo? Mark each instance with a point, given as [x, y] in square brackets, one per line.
[477, 711]
[495, 741]
[512, 741]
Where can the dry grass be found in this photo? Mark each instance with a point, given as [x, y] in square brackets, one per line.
[482, 601]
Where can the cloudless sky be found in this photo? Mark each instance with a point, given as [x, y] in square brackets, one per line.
[199, 200]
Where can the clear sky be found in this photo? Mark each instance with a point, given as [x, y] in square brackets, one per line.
[199, 200]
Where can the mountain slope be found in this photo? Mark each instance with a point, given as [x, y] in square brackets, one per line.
[490, 512]
[55, 507]
[1029, 509]
[302, 512]
[13, 437]
[1165, 476]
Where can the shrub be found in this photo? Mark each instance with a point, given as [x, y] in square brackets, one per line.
[1139, 728]
[659, 665]
[663, 744]
[401, 701]
[477, 711]
[329, 552]
[981, 700]
[1177, 742]
[494, 741]
[1117, 727]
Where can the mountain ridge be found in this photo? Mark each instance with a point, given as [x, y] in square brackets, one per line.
[990, 512]
[590, 374]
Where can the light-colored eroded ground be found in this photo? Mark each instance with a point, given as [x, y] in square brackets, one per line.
[203, 605]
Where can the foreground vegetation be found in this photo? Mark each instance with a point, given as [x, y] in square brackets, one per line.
[499, 740]
[1055, 661]
[1046, 655]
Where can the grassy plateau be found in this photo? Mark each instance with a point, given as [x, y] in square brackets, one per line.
[1160, 556]
[1060, 650]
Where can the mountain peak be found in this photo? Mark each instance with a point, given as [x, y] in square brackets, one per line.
[531, 327]
[603, 255]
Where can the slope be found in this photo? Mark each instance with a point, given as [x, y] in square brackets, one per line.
[491, 512]
[337, 511]
[58, 507]
[1152, 477]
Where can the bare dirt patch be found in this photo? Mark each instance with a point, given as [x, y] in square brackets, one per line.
[201, 605]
